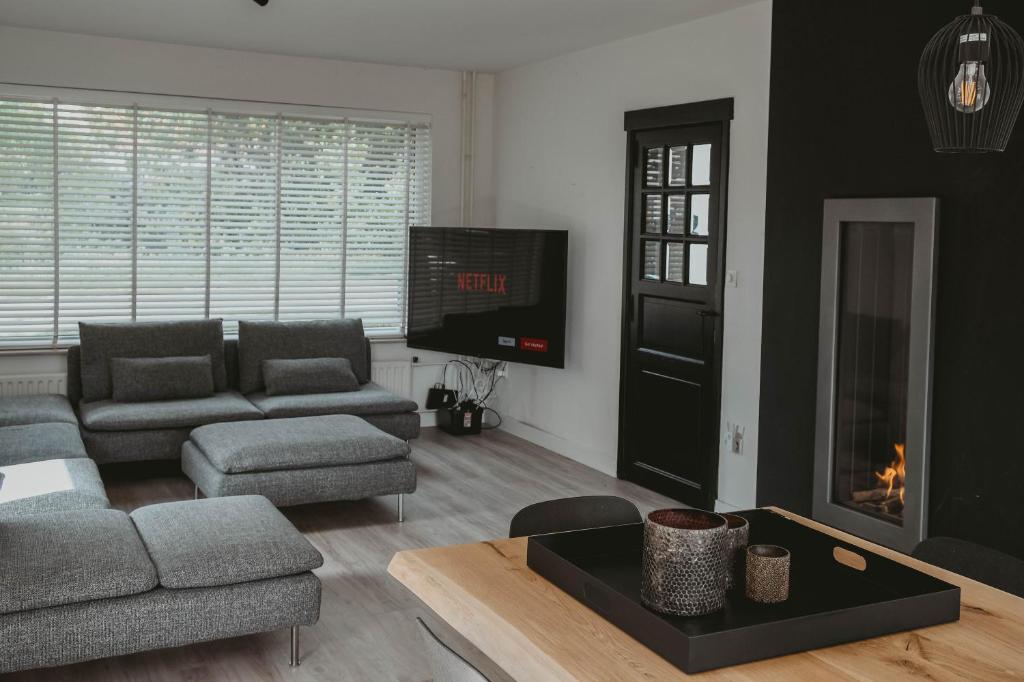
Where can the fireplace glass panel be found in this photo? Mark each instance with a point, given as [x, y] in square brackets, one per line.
[873, 354]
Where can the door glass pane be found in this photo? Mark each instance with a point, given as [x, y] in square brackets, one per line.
[698, 264]
[674, 261]
[699, 209]
[655, 167]
[652, 213]
[677, 213]
[701, 174]
[677, 166]
[652, 263]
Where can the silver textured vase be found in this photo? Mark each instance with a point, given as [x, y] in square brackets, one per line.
[683, 569]
[736, 540]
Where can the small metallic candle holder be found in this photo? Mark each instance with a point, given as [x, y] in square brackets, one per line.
[767, 574]
[683, 571]
[736, 539]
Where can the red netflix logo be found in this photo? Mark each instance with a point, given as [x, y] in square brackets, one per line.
[489, 282]
[535, 345]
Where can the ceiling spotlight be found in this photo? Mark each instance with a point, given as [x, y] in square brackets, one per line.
[261, 3]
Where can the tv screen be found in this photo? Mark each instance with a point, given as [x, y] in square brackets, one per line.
[490, 293]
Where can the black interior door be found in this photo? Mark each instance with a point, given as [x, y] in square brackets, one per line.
[671, 365]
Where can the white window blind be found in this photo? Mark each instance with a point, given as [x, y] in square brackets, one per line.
[116, 213]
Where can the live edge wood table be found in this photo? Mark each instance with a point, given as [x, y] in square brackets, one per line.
[534, 631]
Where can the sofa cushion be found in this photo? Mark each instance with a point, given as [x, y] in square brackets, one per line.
[259, 341]
[107, 415]
[222, 541]
[55, 559]
[313, 375]
[38, 442]
[102, 342]
[371, 398]
[51, 486]
[137, 380]
[300, 443]
[36, 409]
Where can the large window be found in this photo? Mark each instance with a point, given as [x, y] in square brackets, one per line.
[129, 212]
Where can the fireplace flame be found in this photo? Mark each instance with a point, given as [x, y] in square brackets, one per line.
[895, 473]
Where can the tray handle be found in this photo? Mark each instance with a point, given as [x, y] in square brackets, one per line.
[849, 559]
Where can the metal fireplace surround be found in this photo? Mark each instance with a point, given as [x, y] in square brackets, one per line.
[907, 324]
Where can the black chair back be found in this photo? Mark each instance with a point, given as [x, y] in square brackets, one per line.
[573, 513]
[976, 562]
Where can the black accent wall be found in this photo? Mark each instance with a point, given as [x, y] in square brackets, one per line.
[846, 121]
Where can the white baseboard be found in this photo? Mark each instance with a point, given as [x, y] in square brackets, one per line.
[591, 457]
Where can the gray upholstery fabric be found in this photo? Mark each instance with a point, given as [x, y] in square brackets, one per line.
[74, 380]
[107, 415]
[144, 379]
[36, 409]
[51, 486]
[231, 362]
[405, 425]
[312, 375]
[108, 447]
[303, 486]
[54, 559]
[371, 398]
[38, 442]
[259, 341]
[299, 443]
[154, 620]
[102, 342]
[203, 543]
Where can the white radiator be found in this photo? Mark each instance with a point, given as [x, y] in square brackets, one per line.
[394, 375]
[32, 384]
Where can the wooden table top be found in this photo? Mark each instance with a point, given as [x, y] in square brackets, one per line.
[535, 631]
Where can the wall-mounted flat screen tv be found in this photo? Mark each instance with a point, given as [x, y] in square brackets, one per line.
[488, 292]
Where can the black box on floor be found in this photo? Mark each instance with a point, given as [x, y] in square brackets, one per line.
[462, 420]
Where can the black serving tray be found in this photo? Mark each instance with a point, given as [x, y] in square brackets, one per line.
[829, 602]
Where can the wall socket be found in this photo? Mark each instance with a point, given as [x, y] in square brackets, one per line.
[733, 439]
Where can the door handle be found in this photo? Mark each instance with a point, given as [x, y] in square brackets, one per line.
[708, 313]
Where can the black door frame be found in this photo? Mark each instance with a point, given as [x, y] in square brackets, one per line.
[719, 111]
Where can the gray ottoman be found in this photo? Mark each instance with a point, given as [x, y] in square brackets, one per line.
[299, 460]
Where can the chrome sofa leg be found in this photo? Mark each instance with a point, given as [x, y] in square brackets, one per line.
[197, 492]
[295, 660]
[401, 507]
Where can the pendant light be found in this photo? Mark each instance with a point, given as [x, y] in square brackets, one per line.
[971, 80]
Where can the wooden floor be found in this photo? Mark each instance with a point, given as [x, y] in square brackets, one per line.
[469, 488]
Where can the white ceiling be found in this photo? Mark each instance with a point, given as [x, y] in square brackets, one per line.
[486, 35]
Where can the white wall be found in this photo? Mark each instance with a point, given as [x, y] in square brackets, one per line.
[47, 58]
[560, 158]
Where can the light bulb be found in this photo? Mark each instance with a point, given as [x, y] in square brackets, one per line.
[969, 92]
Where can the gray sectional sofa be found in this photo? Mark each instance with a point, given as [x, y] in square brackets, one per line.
[82, 581]
[156, 430]
[79, 580]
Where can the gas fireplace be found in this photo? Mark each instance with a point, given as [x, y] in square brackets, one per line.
[874, 368]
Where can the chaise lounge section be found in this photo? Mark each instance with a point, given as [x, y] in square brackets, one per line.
[83, 581]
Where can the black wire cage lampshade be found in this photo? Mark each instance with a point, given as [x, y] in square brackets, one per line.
[971, 80]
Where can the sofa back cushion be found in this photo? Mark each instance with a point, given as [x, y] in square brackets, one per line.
[259, 341]
[305, 376]
[100, 343]
[137, 380]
